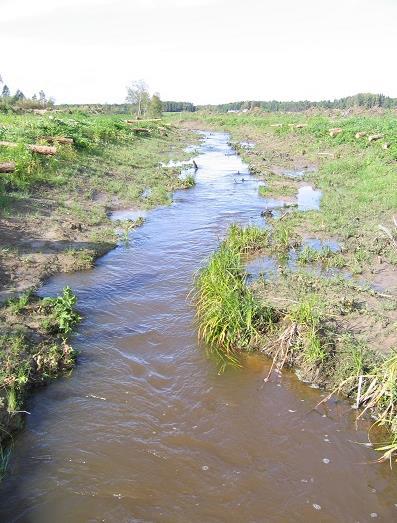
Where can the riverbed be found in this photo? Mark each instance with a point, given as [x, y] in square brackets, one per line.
[146, 430]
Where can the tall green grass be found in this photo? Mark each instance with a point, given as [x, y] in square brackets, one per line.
[229, 316]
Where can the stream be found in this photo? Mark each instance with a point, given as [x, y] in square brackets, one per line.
[145, 430]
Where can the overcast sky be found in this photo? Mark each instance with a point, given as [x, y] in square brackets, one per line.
[204, 51]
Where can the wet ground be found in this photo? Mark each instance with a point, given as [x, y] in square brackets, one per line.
[145, 430]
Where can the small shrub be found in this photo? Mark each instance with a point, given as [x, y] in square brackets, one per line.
[61, 314]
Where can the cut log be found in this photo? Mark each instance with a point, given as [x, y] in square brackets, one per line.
[374, 137]
[141, 130]
[58, 139]
[47, 150]
[385, 145]
[276, 125]
[7, 167]
[335, 131]
[361, 134]
[8, 144]
[300, 125]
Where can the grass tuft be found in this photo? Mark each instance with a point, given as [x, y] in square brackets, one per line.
[229, 317]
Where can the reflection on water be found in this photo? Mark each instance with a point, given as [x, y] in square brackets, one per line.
[145, 430]
[308, 198]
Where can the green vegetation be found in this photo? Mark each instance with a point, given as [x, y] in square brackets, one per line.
[155, 109]
[325, 256]
[127, 226]
[234, 317]
[229, 317]
[95, 141]
[60, 314]
[34, 348]
[189, 181]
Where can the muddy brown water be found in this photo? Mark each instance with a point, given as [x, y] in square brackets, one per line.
[145, 430]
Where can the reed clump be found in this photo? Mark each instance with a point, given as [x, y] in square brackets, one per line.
[229, 317]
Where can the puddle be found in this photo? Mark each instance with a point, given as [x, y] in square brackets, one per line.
[146, 193]
[268, 266]
[309, 198]
[247, 145]
[128, 214]
[318, 244]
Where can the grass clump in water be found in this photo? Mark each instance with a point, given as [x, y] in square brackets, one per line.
[189, 181]
[247, 240]
[229, 316]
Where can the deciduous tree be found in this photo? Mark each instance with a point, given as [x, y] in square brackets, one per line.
[138, 96]
[155, 106]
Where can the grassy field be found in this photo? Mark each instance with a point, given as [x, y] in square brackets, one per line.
[332, 298]
[55, 216]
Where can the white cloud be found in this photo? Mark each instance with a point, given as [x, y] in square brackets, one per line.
[199, 50]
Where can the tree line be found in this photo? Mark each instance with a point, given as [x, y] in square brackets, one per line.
[178, 107]
[13, 101]
[365, 100]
